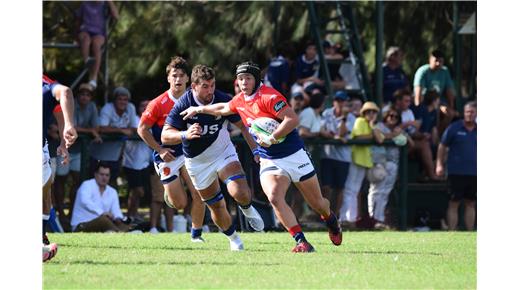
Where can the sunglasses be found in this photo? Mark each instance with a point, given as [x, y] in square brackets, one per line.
[393, 116]
[370, 111]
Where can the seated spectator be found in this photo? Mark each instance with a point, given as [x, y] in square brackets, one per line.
[427, 114]
[307, 67]
[118, 119]
[136, 162]
[402, 102]
[394, 77]
[335, 159]
[91, 21]
[435, 76]
[86, 122]
[388, 157]
[96, 208]
[364, 129]
[334, 59]
[278, 73]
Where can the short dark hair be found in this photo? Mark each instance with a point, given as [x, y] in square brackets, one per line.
[100, 164]
[472, 104]
[316, 100]
[392, 109]
[437, 53]
[399, 94]
[202, 72]
[430, 97]
[177, 62]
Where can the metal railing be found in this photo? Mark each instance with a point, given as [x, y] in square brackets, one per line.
[245, 157]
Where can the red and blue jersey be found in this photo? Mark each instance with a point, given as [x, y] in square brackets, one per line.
[50, 104]
[267, 102]
[155, 115]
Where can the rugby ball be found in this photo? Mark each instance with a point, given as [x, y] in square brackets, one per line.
[263, 127]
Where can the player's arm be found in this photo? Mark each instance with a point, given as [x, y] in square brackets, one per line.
[64, 95]
[442, 152]
[143, 130]
[245, 133]
[289, 122]
[62, 148]
[218, 109]
[173, 136]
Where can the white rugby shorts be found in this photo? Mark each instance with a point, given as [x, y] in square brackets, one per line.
[169, 171]
[297, 166]
[46, 170]
[204, 172]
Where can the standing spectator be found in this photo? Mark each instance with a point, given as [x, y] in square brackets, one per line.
[364, 129]
[459, 143]
[278, 73]
[336, 158]
[136, 161]
[435, 76]
[388, 157]
[116, 117]
[394, 77]
[310, 117]
[86, 122]
[96, 208]
[91, 19]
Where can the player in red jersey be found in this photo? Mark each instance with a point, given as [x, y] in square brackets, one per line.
[280, 162]
[169, 160]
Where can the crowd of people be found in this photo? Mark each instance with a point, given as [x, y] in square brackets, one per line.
[172, 154]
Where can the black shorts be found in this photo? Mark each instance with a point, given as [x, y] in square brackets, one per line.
[334, 173]
[462, 187]
[136, 178]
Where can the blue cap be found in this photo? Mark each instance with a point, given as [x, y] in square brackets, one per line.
[341, 95]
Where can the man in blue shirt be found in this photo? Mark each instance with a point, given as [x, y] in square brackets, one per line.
[394, 77]
[461, 140]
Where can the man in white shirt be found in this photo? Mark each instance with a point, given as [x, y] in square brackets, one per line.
[96, 208]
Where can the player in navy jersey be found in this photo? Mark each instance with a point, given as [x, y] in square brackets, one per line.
[280, 163]
[210, 155]
[58, 101]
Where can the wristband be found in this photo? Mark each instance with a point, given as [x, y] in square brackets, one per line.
[184, 135]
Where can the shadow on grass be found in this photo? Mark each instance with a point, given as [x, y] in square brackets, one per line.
[172, 248]
[155, 263]
[393, 253]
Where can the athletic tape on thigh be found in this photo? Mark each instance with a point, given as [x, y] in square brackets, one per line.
[214, 199]
[234, 177]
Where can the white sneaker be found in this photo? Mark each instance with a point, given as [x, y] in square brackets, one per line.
[253, 218]
[236, 244]
[198, 240]
[154, 230]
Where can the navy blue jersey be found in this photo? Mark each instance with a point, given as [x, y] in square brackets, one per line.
[49, 103]
[210, 124]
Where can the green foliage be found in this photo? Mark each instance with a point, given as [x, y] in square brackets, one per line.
[225, 33]
[368, 260]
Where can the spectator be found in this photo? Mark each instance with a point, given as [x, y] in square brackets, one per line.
[116, 117]
[86, 122]
[297, 102]
[307, 67]
[388, 157]
[435, 76]
[336, 158]
[96, 208]
[310, 117]
[364, 129]
[334, 59]
[278, 73]
[427, 113]
[402, 102]
[91, 18]
[459, 143]
[136, 161]
[394, 77]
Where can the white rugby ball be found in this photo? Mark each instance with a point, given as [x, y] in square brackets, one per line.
[265, 126]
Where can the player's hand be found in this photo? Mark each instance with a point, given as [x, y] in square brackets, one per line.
[190, 112]
[194, 131]
[70, 135]
[444, 109]
[167, 154]
[64, 153]
[439, 171]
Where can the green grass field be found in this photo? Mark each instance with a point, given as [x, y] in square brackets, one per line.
[397, 260]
